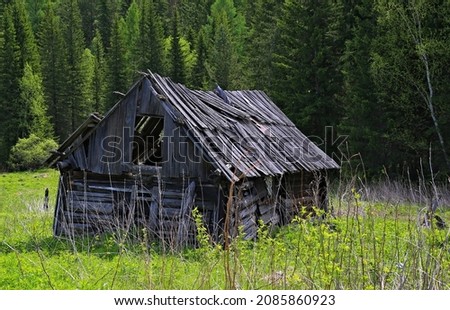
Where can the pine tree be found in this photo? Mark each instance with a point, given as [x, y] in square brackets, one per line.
[222, 58]
[18, 48]
[117, 79]
[226, 30]
[88, 17]
[177, 66]
[105, 14]
[86, 105]
[151, 51]
[99, 78]
[307, 60]
[364, 121]
[74, 41]
[199, 78]
[261, 43]
[10, 75]
[193, 15]
[35, 10]
[25, 36]
[132, 37]
[54, 70]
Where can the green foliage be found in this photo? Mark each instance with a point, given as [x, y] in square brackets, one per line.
[177, 68]
[99, 77]
[307, 60]
[34, 108]
[262, 42]
[74, 42]
[88, 67]
[117, 70]
[30, 153]
[131, 37]
[226, 30]
[10, 74]
[18, 49]
[412, 41]
[54, 68]
[151, 53]
[199, 75]
[363, 114]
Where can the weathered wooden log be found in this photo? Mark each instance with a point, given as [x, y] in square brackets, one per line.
[250, 210]
[91, 207]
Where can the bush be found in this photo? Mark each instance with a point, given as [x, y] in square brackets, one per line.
[30, 153]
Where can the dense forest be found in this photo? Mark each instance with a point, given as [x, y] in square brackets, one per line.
[367, 79]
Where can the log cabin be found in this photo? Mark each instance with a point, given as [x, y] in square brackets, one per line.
[165, 149]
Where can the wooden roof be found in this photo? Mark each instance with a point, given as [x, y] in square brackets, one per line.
[241, 133]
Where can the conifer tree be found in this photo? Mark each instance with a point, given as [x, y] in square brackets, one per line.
[54, 70]
[261, 43]
[132, 37]
[363, 120]
[226, 30]
[25, 36]
[177, 65]
[307, 60]
[151, 51]
[10, 75]
[117, 79]
[99, 78]
[74, 42]
[222, 59]
[86, 105]
[199, 78]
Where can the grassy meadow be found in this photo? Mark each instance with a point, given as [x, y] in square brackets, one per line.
[367, 245]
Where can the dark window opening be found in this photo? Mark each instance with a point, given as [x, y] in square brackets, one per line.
[148, 139]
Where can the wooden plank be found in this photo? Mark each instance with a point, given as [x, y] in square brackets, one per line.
[92, 208]
[186, 210]
[264, 208]
[270, 218]
[247, 211]
[153, 217]
[84, 217]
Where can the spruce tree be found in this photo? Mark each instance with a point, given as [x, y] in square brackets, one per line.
[99, 77]
[226, 30]
[177, 65]
[308, 68]
[151, 52]
[18, 48]
[222, 58]
[54, 70]
[86, 105]
[261, 43]
[117, 79]
[74, 41]
[10, 74]
[25, 36]
[88, 18]
[132, 37]
[199, 78]
[363, 121]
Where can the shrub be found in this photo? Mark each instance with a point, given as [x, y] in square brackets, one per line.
[30, 153]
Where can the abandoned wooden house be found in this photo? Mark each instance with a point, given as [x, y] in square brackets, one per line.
[164, 150]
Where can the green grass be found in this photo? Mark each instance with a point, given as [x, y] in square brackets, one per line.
[367, 246]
